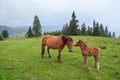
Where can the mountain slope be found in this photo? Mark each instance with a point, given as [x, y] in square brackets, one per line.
[14, 32]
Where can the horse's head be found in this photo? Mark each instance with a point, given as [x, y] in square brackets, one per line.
[69, 41]
[79, 43]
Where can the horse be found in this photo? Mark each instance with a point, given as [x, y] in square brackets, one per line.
[89, 51]
[56, 42]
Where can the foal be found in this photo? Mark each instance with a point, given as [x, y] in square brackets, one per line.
[89, 51]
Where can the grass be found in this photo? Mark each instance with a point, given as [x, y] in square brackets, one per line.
[20, 60]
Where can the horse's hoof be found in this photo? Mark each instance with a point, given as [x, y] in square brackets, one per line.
[59, 62]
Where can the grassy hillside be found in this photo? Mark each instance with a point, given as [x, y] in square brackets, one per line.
[20, 60]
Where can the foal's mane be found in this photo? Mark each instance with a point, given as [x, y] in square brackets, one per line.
[83, 43]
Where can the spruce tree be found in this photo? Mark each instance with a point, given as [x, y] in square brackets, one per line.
[113, 35]
[37, 26]
[106, 32]
[83, 29]
[65, 29]
[94, 26]
[97, 31]
[29, 33]
[102, 32]
[109, 34]
[73, 25]
[89, 31]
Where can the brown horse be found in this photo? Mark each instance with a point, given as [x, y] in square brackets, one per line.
[56, 42]
[89, 51]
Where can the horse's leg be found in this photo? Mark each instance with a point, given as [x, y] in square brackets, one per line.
[95, 61]
[48, 49]
[85, 62]
[43, 50]
[98, 62]
[59, 55]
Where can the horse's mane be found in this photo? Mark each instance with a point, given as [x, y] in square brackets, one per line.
[70, 38]
[83, 43]
[65, 38]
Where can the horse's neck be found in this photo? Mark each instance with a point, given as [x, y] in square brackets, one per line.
[83, 47]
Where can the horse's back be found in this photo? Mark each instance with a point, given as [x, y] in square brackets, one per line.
[51, 41]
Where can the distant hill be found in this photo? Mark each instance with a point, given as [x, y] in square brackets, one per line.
[21, 30]
[14, 32]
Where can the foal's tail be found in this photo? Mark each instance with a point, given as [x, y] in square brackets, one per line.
[99, 49]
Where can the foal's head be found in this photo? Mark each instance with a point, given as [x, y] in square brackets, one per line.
[68, 41]
[80, 43]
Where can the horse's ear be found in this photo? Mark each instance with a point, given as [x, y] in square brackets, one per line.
[80, 40]
[64, 39]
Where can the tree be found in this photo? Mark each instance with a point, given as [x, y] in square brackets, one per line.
[73, 25]
[83, 29]
[89, 31]
[113, 35]
[109, 34]
[37, 27]
[97, 31]
[65, 29]
[94, 26]
[29, 33]
[106, 32]
[5, 34]
[102, 32]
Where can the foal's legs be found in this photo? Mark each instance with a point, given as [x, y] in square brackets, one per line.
[48, 49]
[96, 61]
[59, 55]
[85, 62]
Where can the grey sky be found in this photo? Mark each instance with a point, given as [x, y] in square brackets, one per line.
[58, 12]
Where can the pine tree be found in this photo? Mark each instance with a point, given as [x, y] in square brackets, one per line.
[73, 25]
[89, 31]
[94, 26]
[83, 29]
[109, 34]
[113, 35]
[37, 27]
[5, 34]
[102, 32]
[106, 32]
[29, 33]
[97, 31]
[65, 29]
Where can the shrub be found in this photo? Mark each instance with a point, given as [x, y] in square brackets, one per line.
[1, 38]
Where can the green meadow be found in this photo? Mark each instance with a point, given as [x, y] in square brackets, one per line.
[20, 59]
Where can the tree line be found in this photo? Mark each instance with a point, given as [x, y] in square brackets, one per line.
[72, 28]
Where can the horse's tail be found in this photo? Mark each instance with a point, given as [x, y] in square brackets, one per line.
[43, 46]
